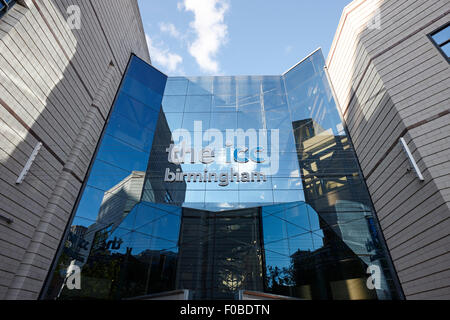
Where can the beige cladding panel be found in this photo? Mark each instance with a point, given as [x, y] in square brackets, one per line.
[57, 84]
[392, 82]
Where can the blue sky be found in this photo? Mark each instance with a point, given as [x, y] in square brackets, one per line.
[237, 37]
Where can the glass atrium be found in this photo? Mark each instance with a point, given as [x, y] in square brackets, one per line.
[222, 184]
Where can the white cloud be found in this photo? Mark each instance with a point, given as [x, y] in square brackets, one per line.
[170, 29]
[163, 57]
[210, 29]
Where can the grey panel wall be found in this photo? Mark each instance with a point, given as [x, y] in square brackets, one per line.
[56, 87]
[392, 82]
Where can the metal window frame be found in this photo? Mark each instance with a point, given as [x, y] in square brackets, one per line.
[7, 7]
[437, 45]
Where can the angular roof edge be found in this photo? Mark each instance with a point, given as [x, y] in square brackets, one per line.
[347, 10]
[308, 56]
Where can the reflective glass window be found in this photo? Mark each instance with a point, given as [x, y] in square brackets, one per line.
[224, 120]
[202, 118]
[248, 86]
[200, 86]
[176, 86]
[250, 120]
[173, 103]
[290, 217]
[131, 133]
[224, 86]
[142, 93]
[5, 6]
[135, 111]
[441, 39]
[198, 103]
[224, 103]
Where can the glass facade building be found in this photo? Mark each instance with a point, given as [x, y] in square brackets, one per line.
[221, 184]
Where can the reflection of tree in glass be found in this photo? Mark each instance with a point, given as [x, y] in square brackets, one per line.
[280, 280]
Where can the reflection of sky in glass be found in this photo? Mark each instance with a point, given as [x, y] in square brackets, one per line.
[149, 227]
[261, 102]
[286, 229]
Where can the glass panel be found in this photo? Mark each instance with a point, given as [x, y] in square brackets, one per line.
[224, 120]
[280, 120]
[176, 87]
[198, 103]
[224, 85]
[148, 77]
[165, 228]
[299, 74]
[250, 104]
[224, 103]
[131, 109]
[274, 229]
[105, 176]
[130, 132]
[258, 184]
[195, 197]
[256, 197]
[274, 101]
[250, 120]
[122, 155]
[189, 120]
[284, 196]
[142, 93]
[174, 120]
[173, 103]
[101, 239]
[300, 243]
[249, 86]
[446, 49]
[273, 85]
[89, 205]
[200, 86]
[442, 36]
[224, 196]
[287, 184]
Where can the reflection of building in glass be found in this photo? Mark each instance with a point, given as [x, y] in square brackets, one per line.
[76, 242]
[116, 204]
[78, 231]
[220, 253]
[335, 188]
[156, 189]
[118, 201]
[330, 175]
[129, 260]
[329, 167]
[354, 226]
[333, 272]
[309, 260]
